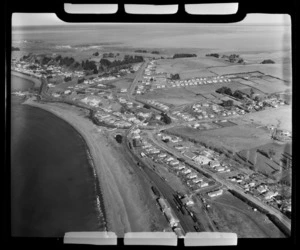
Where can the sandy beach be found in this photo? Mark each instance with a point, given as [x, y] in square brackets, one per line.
[128, 204]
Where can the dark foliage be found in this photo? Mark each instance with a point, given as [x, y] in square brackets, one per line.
[184, 55]
[224, 90]
[268, 61]
[213, 55]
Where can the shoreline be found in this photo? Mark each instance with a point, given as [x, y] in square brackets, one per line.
[126, 201]
[36, 82]
[98, 190]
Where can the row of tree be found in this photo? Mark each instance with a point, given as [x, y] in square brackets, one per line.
[213, 55]
[174, 77]
[184, 55]
[225, 90]
[106, 64]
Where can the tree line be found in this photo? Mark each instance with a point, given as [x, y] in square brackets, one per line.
[184, 55]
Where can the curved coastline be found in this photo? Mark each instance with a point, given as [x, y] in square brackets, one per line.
[36, 82]
[99, 200]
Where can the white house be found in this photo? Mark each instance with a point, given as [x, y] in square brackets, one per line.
[200, 159]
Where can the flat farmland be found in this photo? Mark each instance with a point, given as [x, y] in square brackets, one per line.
[281, 117]
[211, 88]
[234, 138]
[260, 162]
[281, 71]
[191, 63]
[230, 214]
[189, 67]
[174, 96]
[264, 164]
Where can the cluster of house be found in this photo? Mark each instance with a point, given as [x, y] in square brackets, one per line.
[98, 79]
[22, 67]
[150, 69]
[39, 71]
[215, 193]
[251, 186]
[273, 102]
[91, 100]
[191, 82]
[158, 105]
[183, 115]
[115, 119]
[204, 157]
[193, 179]
[199, 81]
[209, 110]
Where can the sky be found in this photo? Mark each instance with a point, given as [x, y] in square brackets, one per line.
[31, 19]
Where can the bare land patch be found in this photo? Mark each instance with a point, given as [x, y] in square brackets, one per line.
[189, 67]
[281, 71]
[174, 96]
[230, 214]
[280, 117]
[234, 138]
[266, 165]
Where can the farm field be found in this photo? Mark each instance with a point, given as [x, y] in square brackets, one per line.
[262, 163]
[175, 96]
[190, 63]
[230, 214]
[280, 117]
[234, 138]
[281, 71]
[267, 84]
[189, 67]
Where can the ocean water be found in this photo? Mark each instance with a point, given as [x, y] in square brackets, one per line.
[20, 84]
[235, 37]
[52, 182]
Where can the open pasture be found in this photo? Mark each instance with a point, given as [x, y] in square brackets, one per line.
[280, 117]
[234, 138]
[233, 215]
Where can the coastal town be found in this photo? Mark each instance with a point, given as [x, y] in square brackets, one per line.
[198, 139]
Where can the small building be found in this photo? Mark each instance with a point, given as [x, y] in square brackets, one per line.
[215, 193]
[162, 155]
[200, 159]
[214, 164]
[187, 201]
[269, 195]
[170, 159]
[203, 184]
[174, 163]
[262, 189]
[186, 171]
[191, 176]
[179, 167]
[197, 180]
[219, 168]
